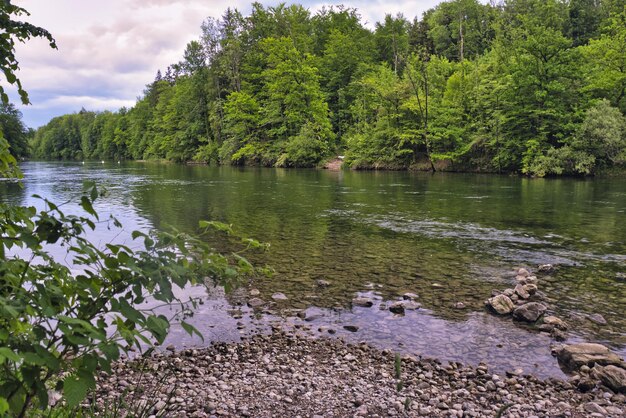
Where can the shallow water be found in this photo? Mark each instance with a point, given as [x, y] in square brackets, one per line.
[445, 237]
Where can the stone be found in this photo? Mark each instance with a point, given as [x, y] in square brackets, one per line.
[555, 322]
[530, 288]
[597, 319]
[573, 356]
[409, 296]
[279, 296]
[255, 303]
[585, 384]
[397, 308]
[351, 328]
[558, 334]
[501, 304]
[410, 305]
[254, 292]
[459, 305]
[322, 283]
[521, 291]
[593, 407]
[546, 268]
[523, 272]
[613, 377]
[313, 317]
[514, 373]
[362, 302]
[529, 312]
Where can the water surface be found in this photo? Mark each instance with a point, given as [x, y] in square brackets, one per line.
[446, 237]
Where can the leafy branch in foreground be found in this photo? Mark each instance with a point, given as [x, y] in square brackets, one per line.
[61, 322]
[15, 30]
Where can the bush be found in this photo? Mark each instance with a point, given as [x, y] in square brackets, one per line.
[59, 322]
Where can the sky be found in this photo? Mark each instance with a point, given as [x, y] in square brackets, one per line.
[109, 50]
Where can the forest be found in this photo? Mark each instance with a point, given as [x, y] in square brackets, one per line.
[536, 87]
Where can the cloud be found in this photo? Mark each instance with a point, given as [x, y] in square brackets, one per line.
[88, 102]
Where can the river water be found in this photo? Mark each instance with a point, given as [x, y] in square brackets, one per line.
[445, 237]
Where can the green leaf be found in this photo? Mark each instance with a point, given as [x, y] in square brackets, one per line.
[191, 329]
[7, 353]
[75, 390]
[4, 406]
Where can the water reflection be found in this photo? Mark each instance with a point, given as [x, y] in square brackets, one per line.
[406, 232]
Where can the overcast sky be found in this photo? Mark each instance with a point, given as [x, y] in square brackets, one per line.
[109, 50]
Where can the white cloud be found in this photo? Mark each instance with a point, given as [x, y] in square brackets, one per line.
[88, 102]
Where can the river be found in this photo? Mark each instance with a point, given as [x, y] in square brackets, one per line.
[445, 237]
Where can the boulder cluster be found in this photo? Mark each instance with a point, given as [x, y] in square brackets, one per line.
[591, 365]
[524, 303]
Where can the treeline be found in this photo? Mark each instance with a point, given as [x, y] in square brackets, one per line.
[531, 86]
[13, 132]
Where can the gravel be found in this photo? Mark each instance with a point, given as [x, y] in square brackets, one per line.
[286, 375]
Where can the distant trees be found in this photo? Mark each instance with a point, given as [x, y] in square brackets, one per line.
[468, 86]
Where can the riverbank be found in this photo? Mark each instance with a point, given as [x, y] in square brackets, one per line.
[285, 375]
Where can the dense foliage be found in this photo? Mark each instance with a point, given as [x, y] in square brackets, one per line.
[530, 86]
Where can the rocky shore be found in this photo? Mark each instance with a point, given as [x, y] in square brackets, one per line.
[286, 375]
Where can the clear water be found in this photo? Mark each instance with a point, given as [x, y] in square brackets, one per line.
[446, 237]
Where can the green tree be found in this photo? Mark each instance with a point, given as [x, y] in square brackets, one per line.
[605, 63]
[14, 130]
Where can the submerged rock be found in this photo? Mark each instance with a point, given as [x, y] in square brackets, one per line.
[363, 302]
[279, 296]
[351, 328]
[410, 305]
[529, 312]
[573, 356]
[558, 334]
[555, 322]
[546, 268]
[255, 303]
[501, 304]
[597, 319]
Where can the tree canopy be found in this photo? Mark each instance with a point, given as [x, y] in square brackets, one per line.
[503, 87]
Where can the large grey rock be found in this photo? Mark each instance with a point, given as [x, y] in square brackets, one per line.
[529, 312]
[500, 304]
[613, 377]
[573, 356]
